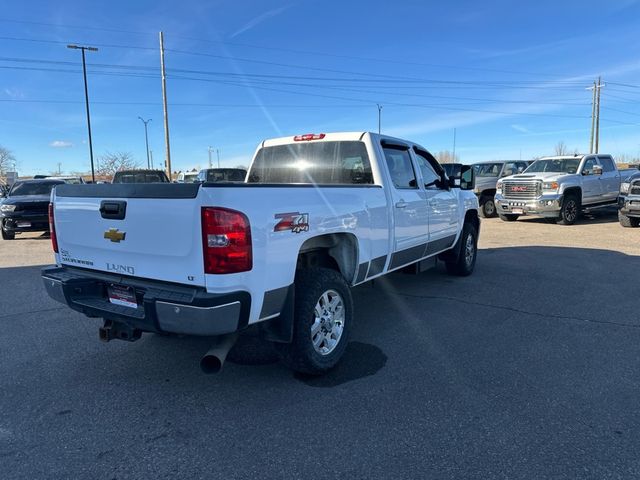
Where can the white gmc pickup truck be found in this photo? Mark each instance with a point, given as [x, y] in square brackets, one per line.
[317, 214]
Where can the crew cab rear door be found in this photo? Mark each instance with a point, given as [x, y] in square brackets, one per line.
[151, 231]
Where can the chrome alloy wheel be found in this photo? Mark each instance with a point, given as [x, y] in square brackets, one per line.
[328, 323]
[571, 210]
[469, 250]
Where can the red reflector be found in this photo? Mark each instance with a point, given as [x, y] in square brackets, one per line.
[226, 241]
[308, 136]
[52, 229]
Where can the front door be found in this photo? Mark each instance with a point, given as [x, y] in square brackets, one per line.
[591, 183]
[410, 208]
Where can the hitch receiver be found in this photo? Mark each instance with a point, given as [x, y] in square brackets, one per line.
[118, 331]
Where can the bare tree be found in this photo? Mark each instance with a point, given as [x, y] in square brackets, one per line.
[110, 163]
[446, 156]
[561, 149]
[243, 167]
[7, 161]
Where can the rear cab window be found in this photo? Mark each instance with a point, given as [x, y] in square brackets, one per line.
[323, 163]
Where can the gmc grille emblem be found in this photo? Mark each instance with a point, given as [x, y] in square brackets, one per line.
[518, 188]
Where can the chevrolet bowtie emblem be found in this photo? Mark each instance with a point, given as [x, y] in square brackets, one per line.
[115, 235]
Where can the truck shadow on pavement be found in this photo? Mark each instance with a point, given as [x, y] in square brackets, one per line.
[595, 216]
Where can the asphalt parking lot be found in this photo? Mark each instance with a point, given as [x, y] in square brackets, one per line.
[527, 369]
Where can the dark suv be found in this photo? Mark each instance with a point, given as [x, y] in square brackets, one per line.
[629, 202]
[25, 209]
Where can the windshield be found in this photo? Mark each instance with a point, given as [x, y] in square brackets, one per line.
[38, 188]
[226, 175]
[487, 169]
[139, 177]
[556, 165]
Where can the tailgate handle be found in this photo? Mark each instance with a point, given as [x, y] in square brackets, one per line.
[113, 210]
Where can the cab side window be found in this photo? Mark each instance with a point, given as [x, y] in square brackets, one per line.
[607, 164]
[400, 168]
[429, 175]
[588, 166]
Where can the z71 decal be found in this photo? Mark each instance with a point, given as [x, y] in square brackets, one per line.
[296, 222]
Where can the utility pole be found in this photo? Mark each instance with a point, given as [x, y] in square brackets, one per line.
[454, 145]
[86, 101]
[151, 155]
[210, 149]
[218, 155]
[59, 168]
[379, 116]
[593, 115]
[600, 85]
[146, 139]
[164, 108]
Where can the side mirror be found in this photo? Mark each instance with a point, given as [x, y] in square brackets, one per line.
[463, 178]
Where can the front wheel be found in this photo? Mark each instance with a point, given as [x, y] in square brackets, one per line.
[510, 217]
[626, 221]
[487, 207]
[323, 318]
[465, 262]
[7, 235]
[570, 210]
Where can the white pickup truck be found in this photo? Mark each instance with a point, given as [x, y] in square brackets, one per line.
[318, 213]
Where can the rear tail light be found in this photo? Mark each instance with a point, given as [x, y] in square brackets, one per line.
[226, 241]
[308, 136]
[52, 229]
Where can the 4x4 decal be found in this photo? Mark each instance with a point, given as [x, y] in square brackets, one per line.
[296, 222]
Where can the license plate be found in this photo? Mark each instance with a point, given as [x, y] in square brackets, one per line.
[517, 210]
[122, 295]
[24, 224]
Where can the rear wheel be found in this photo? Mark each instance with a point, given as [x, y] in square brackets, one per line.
[465, 262]
[322, 322]
[509, 217]
[626, 221]
[487, 207]
[570, 210]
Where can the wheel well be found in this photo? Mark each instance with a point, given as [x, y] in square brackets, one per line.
[472, 217]
[488, 193]
[574, 191]
[338, 251]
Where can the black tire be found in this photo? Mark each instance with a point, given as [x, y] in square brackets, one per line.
[628, 222]
[300, 355]
[487, 207]
[7, 235]
[570, 210]
[467, 251]
[509, 217]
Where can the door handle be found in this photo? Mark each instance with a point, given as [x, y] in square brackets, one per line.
[401, 204]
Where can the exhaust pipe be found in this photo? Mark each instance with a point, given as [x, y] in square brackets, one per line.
[213, 360]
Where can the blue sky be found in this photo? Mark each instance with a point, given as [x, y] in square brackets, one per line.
[510, 77]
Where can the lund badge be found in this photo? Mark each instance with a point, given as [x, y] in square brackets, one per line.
[296, 222]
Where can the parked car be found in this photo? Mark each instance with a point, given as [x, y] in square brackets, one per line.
[187, 177]
[25, 209]
[140, 176]
[559, 188]
[319, 213]
[629, 201]
[487, 175]
[212, 175]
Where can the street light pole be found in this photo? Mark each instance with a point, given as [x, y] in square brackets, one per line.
[146, 139]
[210, 149]
[86, 100]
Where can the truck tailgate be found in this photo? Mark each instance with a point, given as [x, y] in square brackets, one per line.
[140, 230]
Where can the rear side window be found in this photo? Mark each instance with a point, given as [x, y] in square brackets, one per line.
[330, 163]
[400, 168]
[607, 164]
